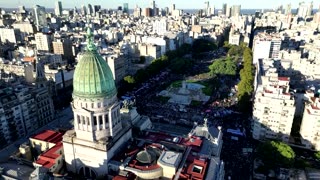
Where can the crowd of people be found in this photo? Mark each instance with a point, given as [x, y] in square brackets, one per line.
[220, 110]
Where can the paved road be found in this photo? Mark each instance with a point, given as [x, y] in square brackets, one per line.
[62, 120]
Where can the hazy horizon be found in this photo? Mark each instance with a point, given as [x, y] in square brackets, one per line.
[180, 4]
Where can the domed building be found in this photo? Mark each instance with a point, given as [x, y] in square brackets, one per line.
[98, 130]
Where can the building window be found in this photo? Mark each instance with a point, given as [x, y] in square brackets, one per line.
[83, 120]
[88, 121]
[78, 118]
[100, 120]
[95, 120]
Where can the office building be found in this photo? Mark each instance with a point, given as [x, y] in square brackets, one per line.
[147, 12]
[226, 9]
[207, 9]
[90, 10]
[83, 10]
[40, 18]
[126, 8]
[235, 10]
[58, 8]
[96, 9]
[153, 7]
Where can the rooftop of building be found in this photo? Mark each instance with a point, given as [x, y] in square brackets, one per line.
[48, 158]
[49, 136]
[153, 148]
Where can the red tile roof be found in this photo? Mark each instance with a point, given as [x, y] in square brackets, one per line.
[48, 158]
[49, 136]
[188, 173]
[119, 178]
[28, 59]
[283, 78]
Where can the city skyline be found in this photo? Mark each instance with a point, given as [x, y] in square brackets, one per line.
[180, 4]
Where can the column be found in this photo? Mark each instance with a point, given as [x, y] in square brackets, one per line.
[104, 121]
[110, 123]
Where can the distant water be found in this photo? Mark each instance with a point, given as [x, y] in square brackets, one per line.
[190, 11]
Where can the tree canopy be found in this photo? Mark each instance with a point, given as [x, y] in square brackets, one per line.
[317, 155]
[202, 45]
[276, 154]
[245, 86]
[223, 67]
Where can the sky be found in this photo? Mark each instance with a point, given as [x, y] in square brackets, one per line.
[180, 4]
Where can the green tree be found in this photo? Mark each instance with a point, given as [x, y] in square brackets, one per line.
[202, 45]
[276, 154]
[317, 155]
[180, 65]
[129, 79]
[245, 86]
[223, 67]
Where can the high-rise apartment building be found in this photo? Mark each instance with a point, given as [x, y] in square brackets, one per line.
[274, 106]
[266, 46]
[43, 42]
[63, 47]
[153, 7]
[206, 8]
[83, 10]
[310, 125]
[288, 9]
[226, 9]
[10, 35]
[40, 16]
[160, 27]
[96, 9]
[305, 9]
[137, 12]
[58, 8]
[126, 8]
[235, 10]
[173, 7]
[89, 9]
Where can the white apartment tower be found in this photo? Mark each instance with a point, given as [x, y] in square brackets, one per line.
[58, 8]
[160, 27]
[274, 108]
[305, 9]
[310, 125]
[43, 42]
[40, 16]
[266, 46]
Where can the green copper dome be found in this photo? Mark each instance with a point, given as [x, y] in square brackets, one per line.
[93, 77]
